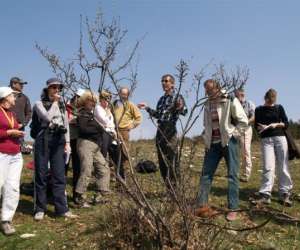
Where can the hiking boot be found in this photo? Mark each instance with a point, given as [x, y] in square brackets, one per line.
[8, 228]
[285, 200]
[69, 215]
[232, 216]
[261, 199]
[205, 212]
[39, 216]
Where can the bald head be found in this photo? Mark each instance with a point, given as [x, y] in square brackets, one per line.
[124, 93]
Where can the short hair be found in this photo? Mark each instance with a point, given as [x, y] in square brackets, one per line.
[214, 82]
[169, 75]
[271, 95]
[105, 95]
[87, 96]
[121, 88]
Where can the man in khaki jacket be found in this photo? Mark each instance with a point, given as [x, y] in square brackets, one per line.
[127, 117]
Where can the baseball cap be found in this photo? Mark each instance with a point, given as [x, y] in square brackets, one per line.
[5, 91]
[16, 80]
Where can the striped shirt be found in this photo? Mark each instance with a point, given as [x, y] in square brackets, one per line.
[216, 134]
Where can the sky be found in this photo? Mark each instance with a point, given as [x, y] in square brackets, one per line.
[263, 35]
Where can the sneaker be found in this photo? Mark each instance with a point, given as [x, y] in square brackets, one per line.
[232, 216]
[244, 179]
[69, 215]
[285, 200]
[8, 228]
[205, 212]
[39, 216]
[261, 199]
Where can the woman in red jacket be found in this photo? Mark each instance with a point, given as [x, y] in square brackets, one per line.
[11, 161]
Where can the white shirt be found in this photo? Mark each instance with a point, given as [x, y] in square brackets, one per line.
[104, 118]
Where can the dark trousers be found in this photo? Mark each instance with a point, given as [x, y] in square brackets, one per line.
[49, 147]
[75, 163]
[166, 139]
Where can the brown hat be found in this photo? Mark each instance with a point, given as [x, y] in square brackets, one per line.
[16, 80]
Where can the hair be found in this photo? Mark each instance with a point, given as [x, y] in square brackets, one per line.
[271, 95]
[87, 96]
[214, 82]
[170, 76]
[105, 95]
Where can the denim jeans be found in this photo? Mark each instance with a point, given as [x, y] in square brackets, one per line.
[211, 160]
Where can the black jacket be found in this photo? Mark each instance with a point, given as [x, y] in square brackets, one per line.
[88, 128]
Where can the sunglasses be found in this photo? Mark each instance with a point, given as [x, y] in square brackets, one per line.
[165, 80]
[55, 87]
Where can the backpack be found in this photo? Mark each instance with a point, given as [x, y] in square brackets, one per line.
[146, 166]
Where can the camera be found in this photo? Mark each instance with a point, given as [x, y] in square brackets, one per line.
[59, 129]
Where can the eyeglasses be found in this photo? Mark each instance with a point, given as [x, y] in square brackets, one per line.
[165, 80]
[55, 87]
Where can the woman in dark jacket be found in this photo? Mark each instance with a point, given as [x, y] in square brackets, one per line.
[89, 151]
[51, 142]
[270, 122]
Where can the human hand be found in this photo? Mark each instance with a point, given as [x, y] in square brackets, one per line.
[142, 105]
[68, 148]
[15, 133]
[179, 104]
[56, 97]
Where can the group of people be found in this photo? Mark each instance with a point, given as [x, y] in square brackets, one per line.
[95, 131]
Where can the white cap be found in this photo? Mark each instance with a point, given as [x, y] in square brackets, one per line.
[5, 91]
[80, 92]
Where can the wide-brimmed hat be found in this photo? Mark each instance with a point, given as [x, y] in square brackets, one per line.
[5, 91]
[16, 80]
[80, 92]
[54, 81]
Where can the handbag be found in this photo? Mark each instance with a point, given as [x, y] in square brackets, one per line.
[292, 146]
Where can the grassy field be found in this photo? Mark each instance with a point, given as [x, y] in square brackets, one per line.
[101, 226]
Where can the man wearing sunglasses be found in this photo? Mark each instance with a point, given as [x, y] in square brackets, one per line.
[246, 137]
[169, 107]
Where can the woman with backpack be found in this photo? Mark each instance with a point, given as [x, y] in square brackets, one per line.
[11, 160]
[270, 122]
[51, 142]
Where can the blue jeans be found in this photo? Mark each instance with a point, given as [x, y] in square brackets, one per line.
[211, 161]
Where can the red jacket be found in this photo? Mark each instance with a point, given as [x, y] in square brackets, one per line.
[8, 144]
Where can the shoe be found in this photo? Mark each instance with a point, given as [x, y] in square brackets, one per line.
[232, 216]
[80, 202]
[244, 179]
[100, 198]
[261, 199]
[39, 216]
[8, 228]
[285, 200]
[205, 212]
[69, 215]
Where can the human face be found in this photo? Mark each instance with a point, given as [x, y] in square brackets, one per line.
[211, 90]
[240, 95]
[8, 101]
[167, 84]
[104, 103]
[17, 86]
[53, 90]
[124, 93]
